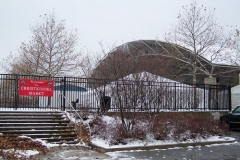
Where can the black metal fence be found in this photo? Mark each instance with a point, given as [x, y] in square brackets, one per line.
[106, 95]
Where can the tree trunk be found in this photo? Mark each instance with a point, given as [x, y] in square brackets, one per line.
[194, 86]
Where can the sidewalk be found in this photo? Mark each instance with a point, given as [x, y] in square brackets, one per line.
[96, 152]
[78, 152]
[73, 153]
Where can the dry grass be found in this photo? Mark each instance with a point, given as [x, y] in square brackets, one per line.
[14, 143]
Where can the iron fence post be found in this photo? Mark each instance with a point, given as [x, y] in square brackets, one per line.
[175, 96]
[204, 96]
[16, 91]
[64, 92]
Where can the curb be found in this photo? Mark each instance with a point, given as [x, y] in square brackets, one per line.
[150, 147]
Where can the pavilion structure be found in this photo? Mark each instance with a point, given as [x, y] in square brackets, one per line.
[164, 59]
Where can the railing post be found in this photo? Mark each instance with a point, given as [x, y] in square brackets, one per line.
[64, 93]
[204, 96]
[16, 91]
[175, 96]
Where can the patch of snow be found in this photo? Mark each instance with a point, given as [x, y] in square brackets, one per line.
[27, 153]
[211, 145]
[173, 148]
[30, 110]
[22, 153]
[108, 119]
[104, 144]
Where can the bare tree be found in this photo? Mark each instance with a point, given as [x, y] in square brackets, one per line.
[198, 31]
[50, 52]
[122, 75]
[91, 61]
[237, 41]
[234, 57]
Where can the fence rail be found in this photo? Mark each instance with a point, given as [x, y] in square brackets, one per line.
[106, 95]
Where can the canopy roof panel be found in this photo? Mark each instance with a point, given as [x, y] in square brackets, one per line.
[164, 59]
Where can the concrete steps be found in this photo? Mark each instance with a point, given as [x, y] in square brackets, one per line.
[51, 126]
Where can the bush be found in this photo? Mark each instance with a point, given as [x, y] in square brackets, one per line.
[159, 128]
[98, 127]
[177, 127]
[117, 134]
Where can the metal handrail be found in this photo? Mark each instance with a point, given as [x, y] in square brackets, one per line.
[76, 115]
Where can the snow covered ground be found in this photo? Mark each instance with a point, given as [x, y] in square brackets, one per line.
[81, 150]
[144, 144]
[69, 152]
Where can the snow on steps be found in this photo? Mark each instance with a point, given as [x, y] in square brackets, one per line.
[51, 126]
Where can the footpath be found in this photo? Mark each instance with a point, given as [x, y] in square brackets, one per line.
[98, 152]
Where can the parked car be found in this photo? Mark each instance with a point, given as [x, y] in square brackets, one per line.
[232, 119]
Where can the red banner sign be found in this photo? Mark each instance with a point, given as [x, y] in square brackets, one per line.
[29, 87]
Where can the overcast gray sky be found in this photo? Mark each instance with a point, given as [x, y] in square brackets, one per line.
[112, 22]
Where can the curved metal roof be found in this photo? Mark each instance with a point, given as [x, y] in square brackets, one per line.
[164, 59]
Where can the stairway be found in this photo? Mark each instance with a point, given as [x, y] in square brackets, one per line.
[51, 126]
